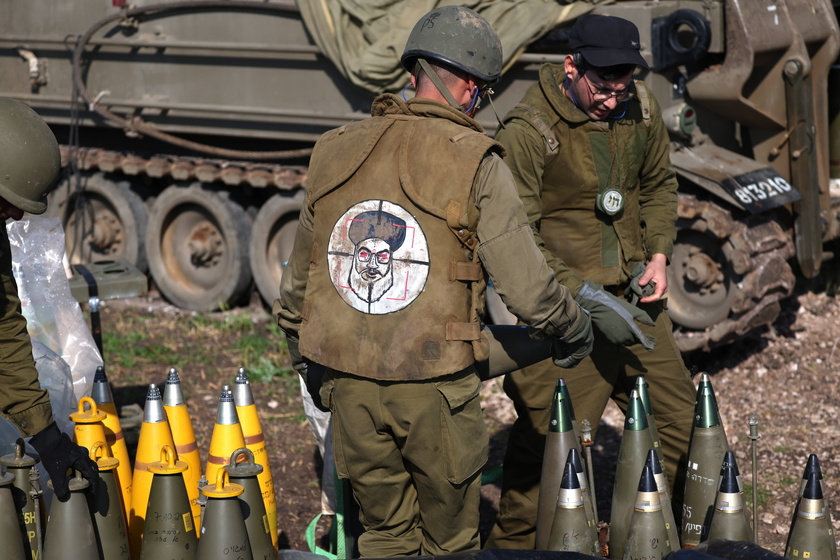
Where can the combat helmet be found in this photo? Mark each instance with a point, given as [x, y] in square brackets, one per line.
[459, 37]
[30, 161]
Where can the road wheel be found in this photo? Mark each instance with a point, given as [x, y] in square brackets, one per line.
[727, 273]
[700, 290]
[104, 222]
[272, 239]
[197, 243]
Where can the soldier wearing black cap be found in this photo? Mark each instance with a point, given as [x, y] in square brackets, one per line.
[590, 155]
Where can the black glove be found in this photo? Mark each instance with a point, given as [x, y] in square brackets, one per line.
[58, 455]
[614, 317]
[298, 361]
[313, 376]
[576, 344]
[312, 373]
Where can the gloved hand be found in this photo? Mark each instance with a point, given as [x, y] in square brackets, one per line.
[614, 317]
[575, 345]
[313, 377]
[58, 455]
[637, 292]
[312, 373]
[298, 361]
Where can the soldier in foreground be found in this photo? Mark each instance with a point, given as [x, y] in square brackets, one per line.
[29, 166]
[404, 213]
[590, 155]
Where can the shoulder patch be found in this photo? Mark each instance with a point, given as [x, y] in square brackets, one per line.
[644, 99]
[538, 121]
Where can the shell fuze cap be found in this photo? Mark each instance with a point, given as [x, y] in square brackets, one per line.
[30, 160]
[459, 37]
[606, 41]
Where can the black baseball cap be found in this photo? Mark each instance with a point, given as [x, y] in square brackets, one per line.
[606, 41]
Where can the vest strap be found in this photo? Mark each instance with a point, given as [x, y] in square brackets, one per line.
[458, 137]
[463, 331]
[644, 100]
[465, 272]
[314, 252]
[453, 220]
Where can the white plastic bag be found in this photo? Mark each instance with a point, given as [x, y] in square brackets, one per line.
[53, 317]
[321, 424]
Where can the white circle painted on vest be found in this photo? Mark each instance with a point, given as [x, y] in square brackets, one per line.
[378, 257]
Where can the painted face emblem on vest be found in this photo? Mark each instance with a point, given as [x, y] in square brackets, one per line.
[610, 202]
[378, 257]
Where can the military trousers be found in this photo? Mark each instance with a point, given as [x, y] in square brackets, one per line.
[413, 452]
[608, 373]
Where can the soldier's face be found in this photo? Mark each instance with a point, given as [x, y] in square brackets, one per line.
[373, 259]
[596, 97]
[9, 210]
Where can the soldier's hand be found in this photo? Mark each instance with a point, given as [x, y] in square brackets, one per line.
[576, 343]
[313, 377]
[614, 317]
[298, 361]
[58, 455]
[311, 373]
[655, 275]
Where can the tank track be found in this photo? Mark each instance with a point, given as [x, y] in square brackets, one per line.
[758, 250]
[231, 173]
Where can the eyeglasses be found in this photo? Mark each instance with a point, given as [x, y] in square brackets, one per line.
[382, 257]
[604, 94]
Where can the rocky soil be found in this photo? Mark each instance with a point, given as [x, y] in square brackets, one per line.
[786, 376]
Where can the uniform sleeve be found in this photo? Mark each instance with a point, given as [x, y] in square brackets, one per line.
[507, 251]
[658, 190]
[525, 157]
[22, 400]
[287, 308]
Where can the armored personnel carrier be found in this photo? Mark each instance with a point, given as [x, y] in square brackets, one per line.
[186, 128]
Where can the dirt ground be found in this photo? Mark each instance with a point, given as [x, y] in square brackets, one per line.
[786, 376]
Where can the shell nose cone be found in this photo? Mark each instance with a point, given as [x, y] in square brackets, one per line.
[570, 479]
[172, 393]
[153, 411]
[813, 488]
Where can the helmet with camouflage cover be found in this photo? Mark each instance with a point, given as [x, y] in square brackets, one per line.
[458, 37]
[30, 161]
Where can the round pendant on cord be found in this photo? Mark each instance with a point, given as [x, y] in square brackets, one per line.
[610, 202]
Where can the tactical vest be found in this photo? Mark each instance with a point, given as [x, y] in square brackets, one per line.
[583, 159]
[393, 284]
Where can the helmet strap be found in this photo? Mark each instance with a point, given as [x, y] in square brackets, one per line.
[441, 87]
[490, 99]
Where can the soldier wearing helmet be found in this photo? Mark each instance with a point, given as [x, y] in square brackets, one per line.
[29, 166]
[418, 199]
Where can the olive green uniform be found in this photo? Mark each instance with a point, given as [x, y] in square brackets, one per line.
[408, 431]
[561, 160]
[22, 400]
